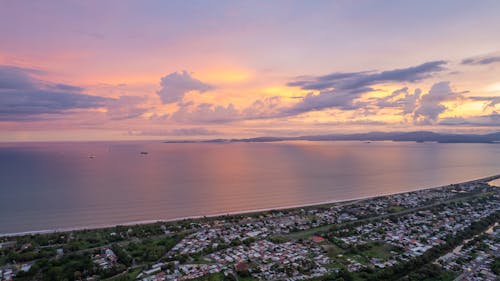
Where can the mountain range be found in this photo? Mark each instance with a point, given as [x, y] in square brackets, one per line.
[417, 136]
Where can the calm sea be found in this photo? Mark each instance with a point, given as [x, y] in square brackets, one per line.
[56, 185]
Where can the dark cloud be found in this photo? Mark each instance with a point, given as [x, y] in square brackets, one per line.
[326, 99]
[363, 80]
[176, 85]
[327, 81]
[19, 105]
[15, 78]
[491, 120]
[65, 87]
[342, 89]
[24, 98]
[481, 60]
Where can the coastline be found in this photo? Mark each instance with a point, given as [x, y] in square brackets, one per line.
[234, 213]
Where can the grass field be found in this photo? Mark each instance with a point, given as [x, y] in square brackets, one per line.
[379, 250]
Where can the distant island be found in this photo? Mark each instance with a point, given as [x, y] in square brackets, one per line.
[418, 136]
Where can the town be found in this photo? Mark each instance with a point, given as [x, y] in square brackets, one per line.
[444, 233]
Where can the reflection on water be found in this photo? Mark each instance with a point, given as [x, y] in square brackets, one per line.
[57, 185]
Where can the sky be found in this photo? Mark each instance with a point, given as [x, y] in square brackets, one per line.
[129, 70]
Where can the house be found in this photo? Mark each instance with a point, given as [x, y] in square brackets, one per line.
[317, 239]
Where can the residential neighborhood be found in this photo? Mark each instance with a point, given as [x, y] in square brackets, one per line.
[451, 229]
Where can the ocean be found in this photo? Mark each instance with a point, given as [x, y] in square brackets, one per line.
[45, 186]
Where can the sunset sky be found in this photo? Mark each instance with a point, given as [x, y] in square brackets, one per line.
[113, 70]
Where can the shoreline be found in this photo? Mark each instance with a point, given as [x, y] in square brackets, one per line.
[233, 213]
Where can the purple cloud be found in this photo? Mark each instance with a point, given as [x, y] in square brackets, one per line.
[354, 81]
[24, 98]
[401, 99]
[205, 113]
[176, 85]
[342, 89]
[481, 60]
[491, 120]
[125, 107]
[431, 104]
[194, 131]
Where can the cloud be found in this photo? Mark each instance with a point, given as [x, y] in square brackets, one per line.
[342, 89]
[326, 99]
[189, 112]
[491, 102]
[363, 80]
[264, 108]
[195, 131]
[13, 77]
[176, 85]
[481, 60]
[431, 104]
[326, 81]
[205, 113]
[126, 107]
[401, 99]
[339, 90]
[23, 97]
[491, 120]
[65, 87]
